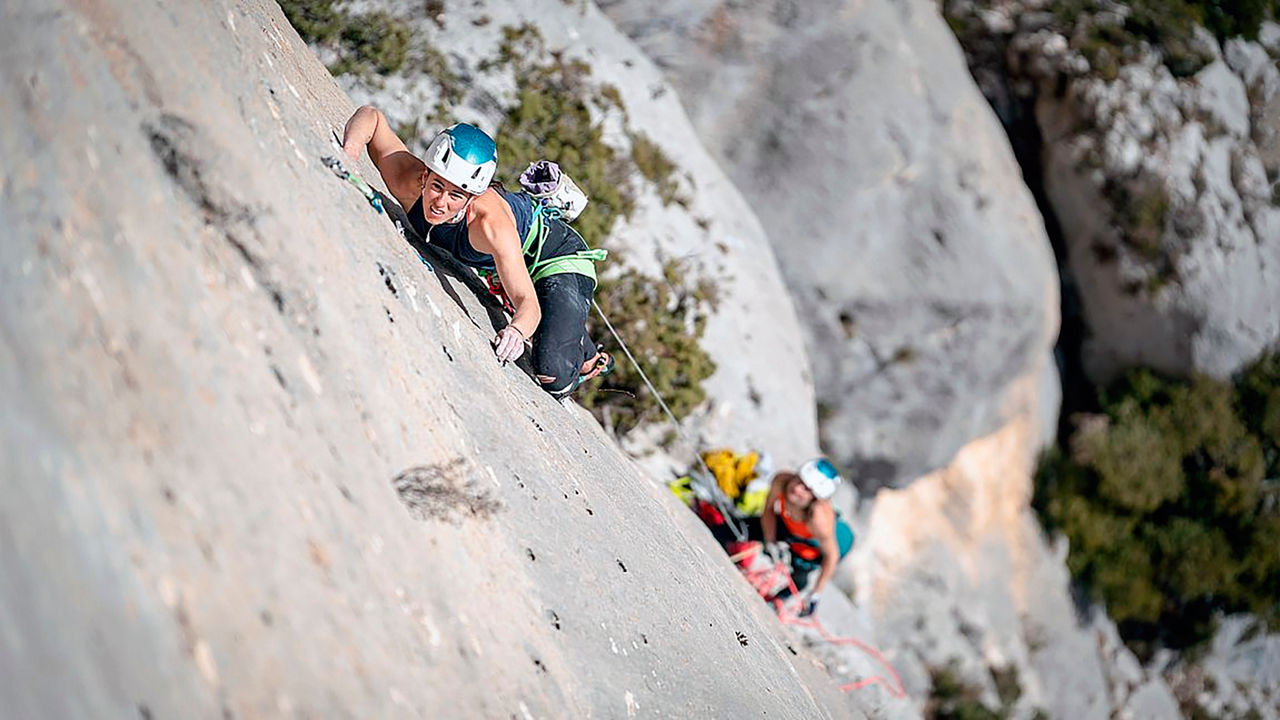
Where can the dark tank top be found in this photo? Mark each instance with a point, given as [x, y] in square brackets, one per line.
[453, 236]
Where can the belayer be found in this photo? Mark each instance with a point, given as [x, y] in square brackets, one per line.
[799, 515]
[543, 265]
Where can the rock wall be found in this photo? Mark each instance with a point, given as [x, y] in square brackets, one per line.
[258, 457]
[1165, 185]
[959, 581]
[913, 249]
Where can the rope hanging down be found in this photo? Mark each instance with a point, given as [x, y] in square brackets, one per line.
[721, 504]
[765, 579]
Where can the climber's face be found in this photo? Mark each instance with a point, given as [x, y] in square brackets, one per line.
[798, 494]
[441, 199]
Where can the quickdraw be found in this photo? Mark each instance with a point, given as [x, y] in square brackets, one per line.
[365, 189]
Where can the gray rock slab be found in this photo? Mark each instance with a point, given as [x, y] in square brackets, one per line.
[915, 254]
[258, 459]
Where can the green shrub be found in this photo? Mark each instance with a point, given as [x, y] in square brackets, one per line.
[1170, 501]
[950, 698]
[375, 43]
[657, 168]
[317, 21]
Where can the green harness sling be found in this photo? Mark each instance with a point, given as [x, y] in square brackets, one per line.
[582, 262]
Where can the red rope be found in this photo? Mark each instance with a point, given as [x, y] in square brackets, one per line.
[764, 581]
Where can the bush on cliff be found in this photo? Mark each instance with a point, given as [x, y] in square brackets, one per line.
[1170, 498]
[374, 43]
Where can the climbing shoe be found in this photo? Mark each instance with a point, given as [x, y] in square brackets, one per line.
[602, 364]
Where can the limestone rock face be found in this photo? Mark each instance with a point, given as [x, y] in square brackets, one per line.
[956, 576]
[761, 395]
[1165, 186]
[915, 253]
[258, 459]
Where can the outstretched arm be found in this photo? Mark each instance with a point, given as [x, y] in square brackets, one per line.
[399, 169]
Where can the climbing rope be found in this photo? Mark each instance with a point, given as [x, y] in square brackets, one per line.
[721, 503]
[765, 579]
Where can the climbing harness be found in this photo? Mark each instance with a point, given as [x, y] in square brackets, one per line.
[765, 579]
[581, 262]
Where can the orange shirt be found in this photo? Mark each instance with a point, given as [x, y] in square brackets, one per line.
[798, 529]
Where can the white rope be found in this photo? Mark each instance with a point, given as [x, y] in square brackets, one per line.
[714, 491]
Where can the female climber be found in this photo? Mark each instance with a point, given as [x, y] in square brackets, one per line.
[542, 264]
[811, 529]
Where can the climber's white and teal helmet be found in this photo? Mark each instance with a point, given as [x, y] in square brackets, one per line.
[464, 155]
[821, 477]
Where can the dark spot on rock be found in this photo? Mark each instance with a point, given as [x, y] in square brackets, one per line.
[144, 712]
[742, 638]
[939, 238]
[1103, 252]
[390, 318]
[267, 618]
[529, 552]
[555, 620]
[346, 494]
[538, 664]
[446, 353]
[167, 493]
[441, 492]
[279, 377]
[644, 638]
[791, 649]
[388, 279]
[848, 324]
[535, 422]
[566, 495]
[624, 567]
[590, 511]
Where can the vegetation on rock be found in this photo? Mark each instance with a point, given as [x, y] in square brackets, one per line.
[950, 698]
[1170, 497]
[374, 43]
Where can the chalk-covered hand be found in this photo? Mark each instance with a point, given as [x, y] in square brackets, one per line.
[508, 345]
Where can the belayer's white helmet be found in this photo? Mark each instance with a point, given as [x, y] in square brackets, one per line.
[464, 155]
[821, 477]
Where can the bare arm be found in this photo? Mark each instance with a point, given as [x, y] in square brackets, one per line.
[823, 526]
[399, 169]
[493, 230]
